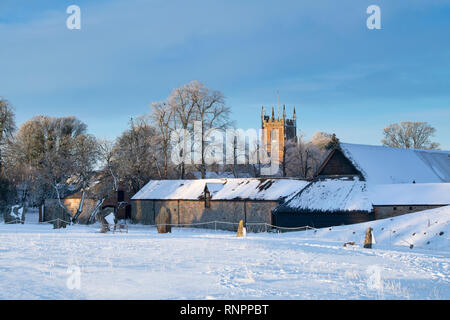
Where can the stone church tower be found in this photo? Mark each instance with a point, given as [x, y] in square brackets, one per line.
[287, 130]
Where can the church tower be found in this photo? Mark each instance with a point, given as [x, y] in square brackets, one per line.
[287, 130]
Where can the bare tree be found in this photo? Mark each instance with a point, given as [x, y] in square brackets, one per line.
[7, 126]
[108, 161]
[163, 118]
[408, 134]
[195, 102]
[51, 153]
[321, 139]
[258, 156]
[84, 158]
[212, 113]
[136, 154]
[237, 153]
[303, 159]
[183, 106]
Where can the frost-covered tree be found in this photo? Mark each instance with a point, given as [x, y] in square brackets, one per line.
[321, 139]
[48, 154]
[109, 163]
[136, 154]
[84, 157]
[162, 116]
[212, 113]
[303, 158]
[7, 126]
[195, 102]
[408, 134]
[324, 140]
[183, 106]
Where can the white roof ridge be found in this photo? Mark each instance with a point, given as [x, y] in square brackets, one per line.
[382, 164]
[394, 148]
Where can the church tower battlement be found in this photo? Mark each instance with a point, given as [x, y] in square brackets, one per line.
[287, 130]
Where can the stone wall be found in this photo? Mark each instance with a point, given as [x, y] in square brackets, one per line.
[52, 209]
[383, 212]
[189, 212]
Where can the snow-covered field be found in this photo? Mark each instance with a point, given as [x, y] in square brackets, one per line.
[37, 262]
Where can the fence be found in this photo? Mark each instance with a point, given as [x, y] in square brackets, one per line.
[233, 226]
[255, 227]
[15, 221]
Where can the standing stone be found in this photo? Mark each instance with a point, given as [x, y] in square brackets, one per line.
[368, 239]
[101, 218]
[163, 221]
[240, 232]
[60, 218]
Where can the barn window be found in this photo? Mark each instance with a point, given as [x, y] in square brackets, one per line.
[120, 196]
[410, 208]
[207, 199]
[395, 208]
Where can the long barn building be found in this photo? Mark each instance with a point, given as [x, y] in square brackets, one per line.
[200, 202]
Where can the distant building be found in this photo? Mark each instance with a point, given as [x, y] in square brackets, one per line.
[287, 130]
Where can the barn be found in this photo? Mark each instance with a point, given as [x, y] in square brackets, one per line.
[358, 183]
[390, 200]
[385, 165]
[326, 202]
[227, 201]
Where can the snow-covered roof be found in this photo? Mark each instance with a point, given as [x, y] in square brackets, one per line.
[411, 194]
[259, 189]
[173, 189]
[220, 189]
[330, 195]
[347, 194]
[217, 175]
[385, 165]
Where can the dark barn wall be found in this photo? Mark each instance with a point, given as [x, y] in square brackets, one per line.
[112, 200]
[320, 219]
[338, 164]
[194, 211]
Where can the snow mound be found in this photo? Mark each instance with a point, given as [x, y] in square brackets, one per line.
[429, 229]
[411, 194]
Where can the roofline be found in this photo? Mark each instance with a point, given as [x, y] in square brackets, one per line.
[412, 149]
[337, 176]
[201, 200]
[324, 212]
[216, 179]
[409, 205]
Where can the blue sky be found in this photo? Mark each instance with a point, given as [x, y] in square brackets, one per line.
[341, 77]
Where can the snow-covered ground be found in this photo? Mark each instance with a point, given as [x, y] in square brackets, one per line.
[37, 262]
